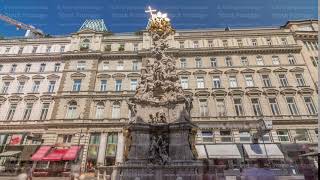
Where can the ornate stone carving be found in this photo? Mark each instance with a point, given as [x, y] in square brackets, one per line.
[158, 150]
[159, 117]
[159, 81]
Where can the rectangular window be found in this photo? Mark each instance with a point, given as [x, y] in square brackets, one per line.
[275, 60]
[200, 82]
[184, 82]
[76, 85]
[240, 43]
[120, 66]
[103, 85]
[5, 87]
[301, 135]
[203, 107]
[198, 63]
[7, 50]
[213, 62]
[72, 111]
[48, 49]
[64, 138]
[51, 86]
[27, 111]
[226, 136]
[216, 82]
[181, 45]
[105, 65]
[27, 68]
[274, 106]
[256, 107]
[11, 112]
[62, 48]
[228, 61]
[20, 50]
[42, 67]
[111, 150]
[99, 111]
[135, 47]
[266, 80]
[310, 105]
[34, 49]
[44, 111]
[133, 84]
[210, 43]
[116, 111]
[244, 61]
[221, 108]
[207, 136]
[254, 42]
[35, 86]
[300, 80]
[291, 60]
[195, 44]
[283, 135]
[57, 67]
[314, 61]
[283, 80]
[94, 138]
[20, 86]
[284, 41]
[259, 60]
[269, 42]
[233, 81]
[1, 67]
[225, 43]
[13, 68]
[118, 85]
[135, 66]
[238, 106]
[183, 63]
[249, 80]
[81, 65]
[292, 106]
[245, 136]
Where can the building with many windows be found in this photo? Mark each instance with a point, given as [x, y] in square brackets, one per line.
[65, 92]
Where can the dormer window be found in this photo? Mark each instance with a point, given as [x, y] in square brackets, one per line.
[85, 44]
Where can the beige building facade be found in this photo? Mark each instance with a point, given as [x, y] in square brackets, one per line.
[73, 90]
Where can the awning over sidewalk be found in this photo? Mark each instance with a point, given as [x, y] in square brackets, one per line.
[72, 153]
[55, 155]
[258, 151]
[9, 153]
[223, 151]
[41, 152]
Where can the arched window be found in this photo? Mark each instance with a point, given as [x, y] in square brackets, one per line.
[116, 110]
[100, 110]
[72, 110]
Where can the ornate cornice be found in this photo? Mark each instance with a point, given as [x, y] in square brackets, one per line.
[30, 57]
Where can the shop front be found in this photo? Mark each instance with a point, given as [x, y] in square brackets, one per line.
[55, 161]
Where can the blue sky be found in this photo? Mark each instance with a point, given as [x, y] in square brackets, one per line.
[60, 17]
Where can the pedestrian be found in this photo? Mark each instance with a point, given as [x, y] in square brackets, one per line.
[29, 173]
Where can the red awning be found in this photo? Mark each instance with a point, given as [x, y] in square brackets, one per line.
[41, 152]
[55, 155]
[72, 153]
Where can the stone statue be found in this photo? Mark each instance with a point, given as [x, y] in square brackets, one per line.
[158, 150]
